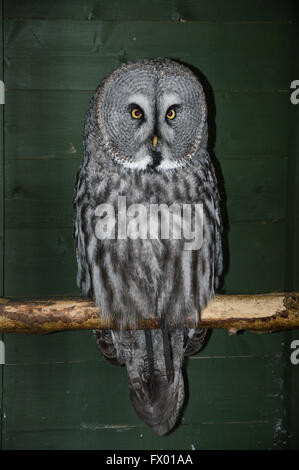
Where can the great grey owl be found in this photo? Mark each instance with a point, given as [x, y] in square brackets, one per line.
[145, 140]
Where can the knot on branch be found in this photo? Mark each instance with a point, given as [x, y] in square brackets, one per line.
[291, 301]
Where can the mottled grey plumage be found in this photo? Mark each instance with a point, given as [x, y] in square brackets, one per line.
[134, 279]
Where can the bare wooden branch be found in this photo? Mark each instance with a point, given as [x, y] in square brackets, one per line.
[264, 313]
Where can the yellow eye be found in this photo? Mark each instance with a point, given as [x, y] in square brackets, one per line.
[136, 113]
[171, 114]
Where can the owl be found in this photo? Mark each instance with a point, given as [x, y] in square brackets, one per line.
[145, 145]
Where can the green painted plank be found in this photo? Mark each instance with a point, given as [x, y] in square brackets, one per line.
[92, 10]
[251, 124]
[41, 262]
[256, 190]
[64, 396]
[67, 346]
[245, 343]
[77, 346]
[39, 192]
[148, 10]
[41, 54]
[45, 125]
[256, 258]
[232, 10]
[295, 215]
[236, 389]
[248, 435]
[49, 124]
[292, 260]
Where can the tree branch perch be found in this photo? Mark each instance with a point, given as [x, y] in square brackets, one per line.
[260, 313]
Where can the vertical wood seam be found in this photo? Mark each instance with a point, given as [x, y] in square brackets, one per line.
[2, 221]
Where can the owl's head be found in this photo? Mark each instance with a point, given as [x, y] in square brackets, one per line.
[151, 114]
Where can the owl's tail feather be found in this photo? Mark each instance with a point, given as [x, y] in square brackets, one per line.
[167, 350]
[154, 360]
[151, 361]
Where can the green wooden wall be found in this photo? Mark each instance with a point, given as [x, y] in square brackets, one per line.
[57, 391]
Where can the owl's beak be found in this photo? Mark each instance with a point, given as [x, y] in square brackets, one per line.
[155, 141]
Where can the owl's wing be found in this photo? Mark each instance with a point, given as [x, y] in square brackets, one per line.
[218, 222]
[195, 340]
[80, 204]
[104, 340]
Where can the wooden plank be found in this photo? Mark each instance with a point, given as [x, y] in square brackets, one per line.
[230, 10]
[39, 192]
[255, 189]
[45, 125]
[41, 262]
[148, 10]
[43, 54]
[69, 346]
[246, 389]
[63, 396]
[215, 436]
[244, 343]
[79, 346]
[250, 124]
[78, 392]
[142, 10]
[296, 208]
[257, 253]
[49, 124]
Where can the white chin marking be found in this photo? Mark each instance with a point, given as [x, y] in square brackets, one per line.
[168, 165]
[138, 164]
[142, 164]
